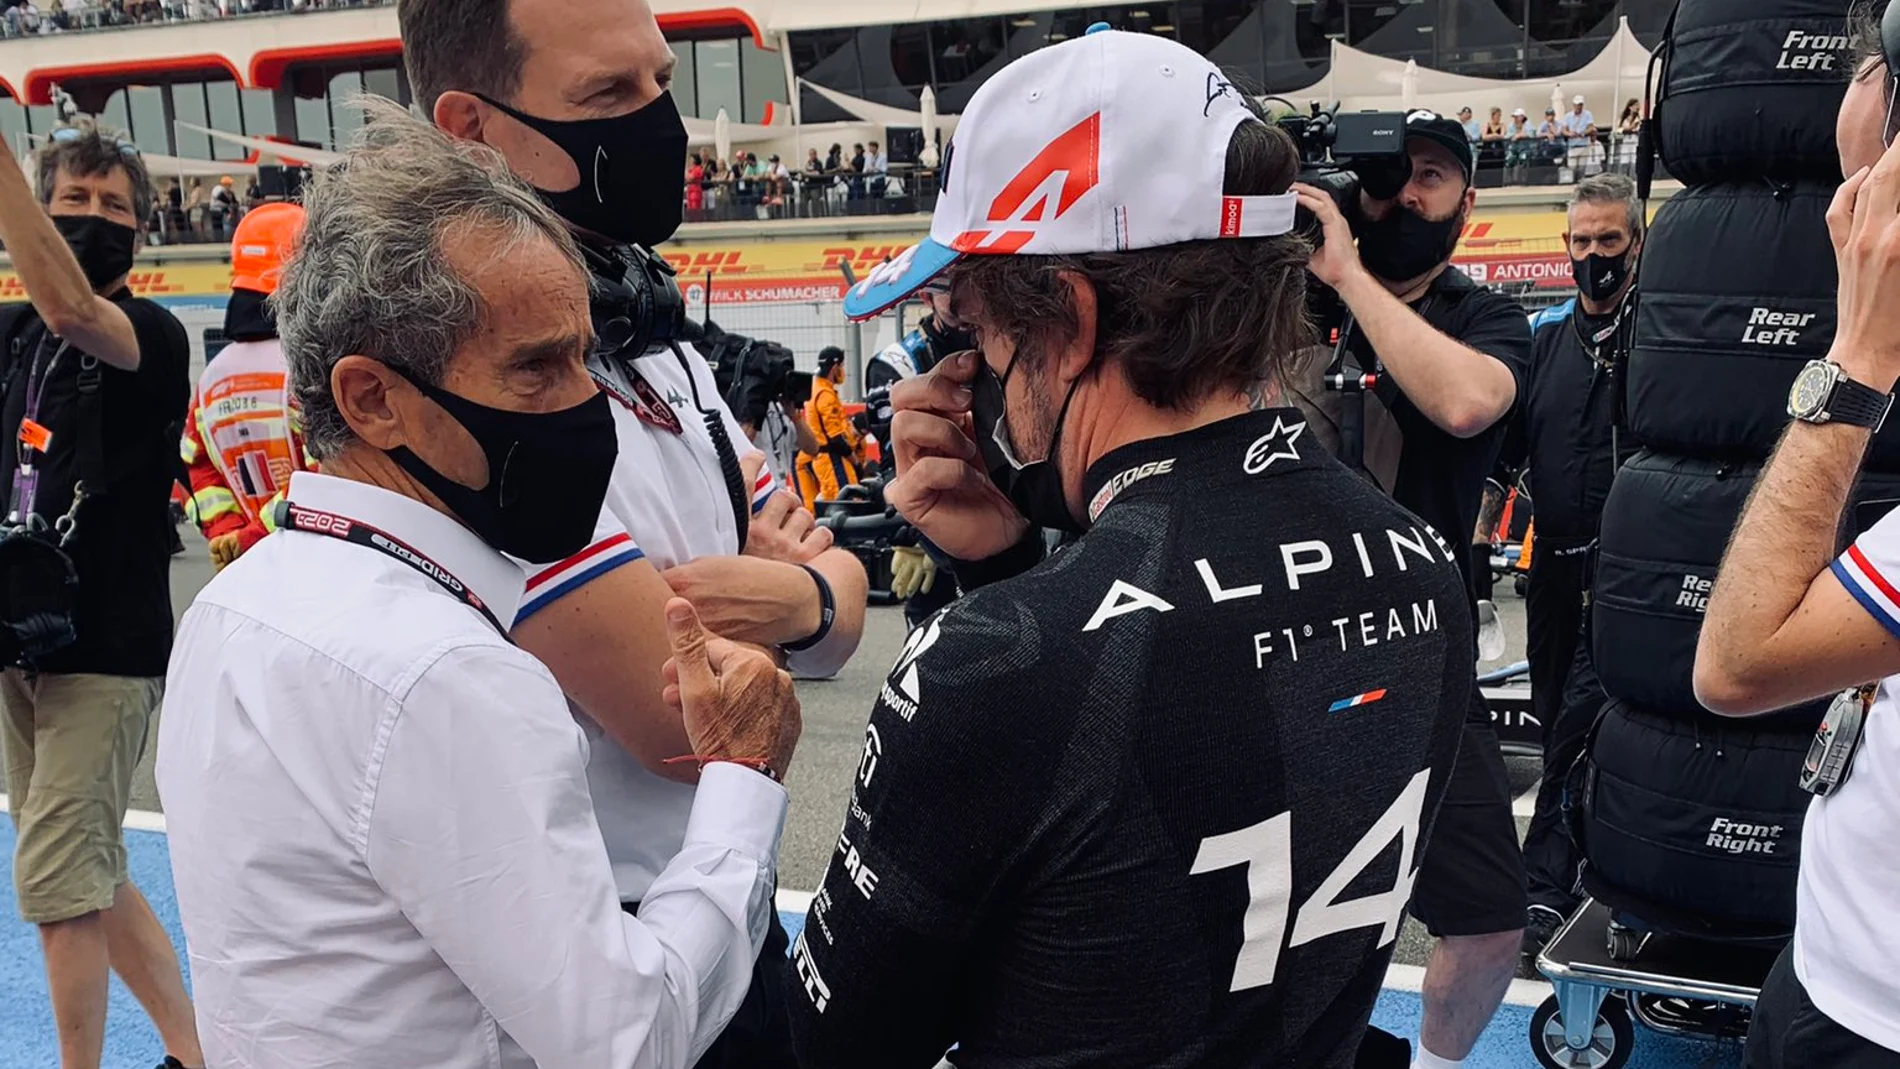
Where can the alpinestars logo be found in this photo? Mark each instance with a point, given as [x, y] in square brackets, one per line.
[1041, 192]
[1276, 444]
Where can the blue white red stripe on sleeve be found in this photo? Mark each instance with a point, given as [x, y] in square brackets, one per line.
[762, 490]
[1864, 579]
[554, 582]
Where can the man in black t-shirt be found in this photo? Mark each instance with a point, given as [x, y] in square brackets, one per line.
[1158, 800]
[1454, 358]
[95, 383]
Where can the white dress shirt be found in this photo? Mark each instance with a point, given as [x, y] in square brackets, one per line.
[381, 834]
[669, 493]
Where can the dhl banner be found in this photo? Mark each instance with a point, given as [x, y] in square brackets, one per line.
[1497, 247]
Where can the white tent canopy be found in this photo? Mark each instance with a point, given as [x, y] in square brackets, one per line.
[1362, 81]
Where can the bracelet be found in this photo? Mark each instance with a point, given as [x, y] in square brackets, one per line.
[827, 612]
[756, 764]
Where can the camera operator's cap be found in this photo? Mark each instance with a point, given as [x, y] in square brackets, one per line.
[829, 357]
[1444, 132]
[1105, 143]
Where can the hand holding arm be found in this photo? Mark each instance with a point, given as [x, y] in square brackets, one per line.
[772, 603]
[54, 281]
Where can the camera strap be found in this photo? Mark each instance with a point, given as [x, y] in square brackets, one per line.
[358, 533]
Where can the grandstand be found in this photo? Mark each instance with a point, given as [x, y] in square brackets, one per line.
[253, 88]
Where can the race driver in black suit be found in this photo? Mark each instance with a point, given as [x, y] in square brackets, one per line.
[1160, 799]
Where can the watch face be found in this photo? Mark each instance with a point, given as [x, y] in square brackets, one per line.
[1810, 391]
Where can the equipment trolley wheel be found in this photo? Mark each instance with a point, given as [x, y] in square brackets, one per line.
[1611, 1037]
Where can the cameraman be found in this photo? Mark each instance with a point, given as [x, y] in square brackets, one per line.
[1453, 355]
[574, 94]
[96, 381]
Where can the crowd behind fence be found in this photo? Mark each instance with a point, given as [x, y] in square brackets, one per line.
[24, 18]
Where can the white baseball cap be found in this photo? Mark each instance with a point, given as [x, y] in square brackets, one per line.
[1578, 99]
[1519, 114]
[1105, 143]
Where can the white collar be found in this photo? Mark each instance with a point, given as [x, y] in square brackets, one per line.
[494, 578]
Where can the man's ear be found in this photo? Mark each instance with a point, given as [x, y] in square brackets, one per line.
[361, 387]
[1079, 352]
[460, 114]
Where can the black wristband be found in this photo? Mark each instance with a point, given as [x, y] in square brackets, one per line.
[827, 612]
[1014, 561]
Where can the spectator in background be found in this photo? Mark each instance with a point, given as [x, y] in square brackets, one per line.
[1580, 137]
[195, 204]
[1550, 137]
[876, 166]
[1518, 141]
[1473, 132]
[1631, 118]
[780, 176]
[1494, 126]
[813, 165]
[1627, 126]
[223, 208]
[695, 185]
[834, 161]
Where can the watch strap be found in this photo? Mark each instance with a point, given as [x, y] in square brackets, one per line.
[1857, 404]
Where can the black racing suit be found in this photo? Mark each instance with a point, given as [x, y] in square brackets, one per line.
[1158, 801]
[1564, 434]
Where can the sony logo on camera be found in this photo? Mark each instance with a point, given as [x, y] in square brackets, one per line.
[1804, 51]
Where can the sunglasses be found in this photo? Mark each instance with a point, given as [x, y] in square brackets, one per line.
[69, 134]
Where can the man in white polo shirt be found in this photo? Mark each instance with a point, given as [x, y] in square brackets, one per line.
[381, 833]
[1789, 620]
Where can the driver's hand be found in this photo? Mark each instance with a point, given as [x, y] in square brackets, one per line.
[941, 487]
[1337, 258]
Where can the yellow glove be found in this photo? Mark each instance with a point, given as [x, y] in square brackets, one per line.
[224, 550]
[912, 571]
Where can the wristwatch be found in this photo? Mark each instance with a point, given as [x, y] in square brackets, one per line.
[1822, 393]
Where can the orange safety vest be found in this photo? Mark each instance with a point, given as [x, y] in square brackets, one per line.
[242, 439]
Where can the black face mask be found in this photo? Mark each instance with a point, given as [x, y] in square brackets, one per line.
[248, 317]
[1599, 277]
[1405, 244]
[1035, 488]
[632, 168]
[547, 474]
[103, 248]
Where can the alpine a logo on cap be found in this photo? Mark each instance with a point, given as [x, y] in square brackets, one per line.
[1042, 192]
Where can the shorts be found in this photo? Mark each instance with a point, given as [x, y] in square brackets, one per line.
[1789, 1032]
[1471, 881]
[71, 744]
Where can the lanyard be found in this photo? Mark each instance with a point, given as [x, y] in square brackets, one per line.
[356, 532]
[26, 478]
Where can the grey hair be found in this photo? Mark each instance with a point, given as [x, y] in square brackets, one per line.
[1611, 189]
[369, 277]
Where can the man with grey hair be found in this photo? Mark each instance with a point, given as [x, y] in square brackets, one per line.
[95, 383]
[381, 833]
[1563, 434]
